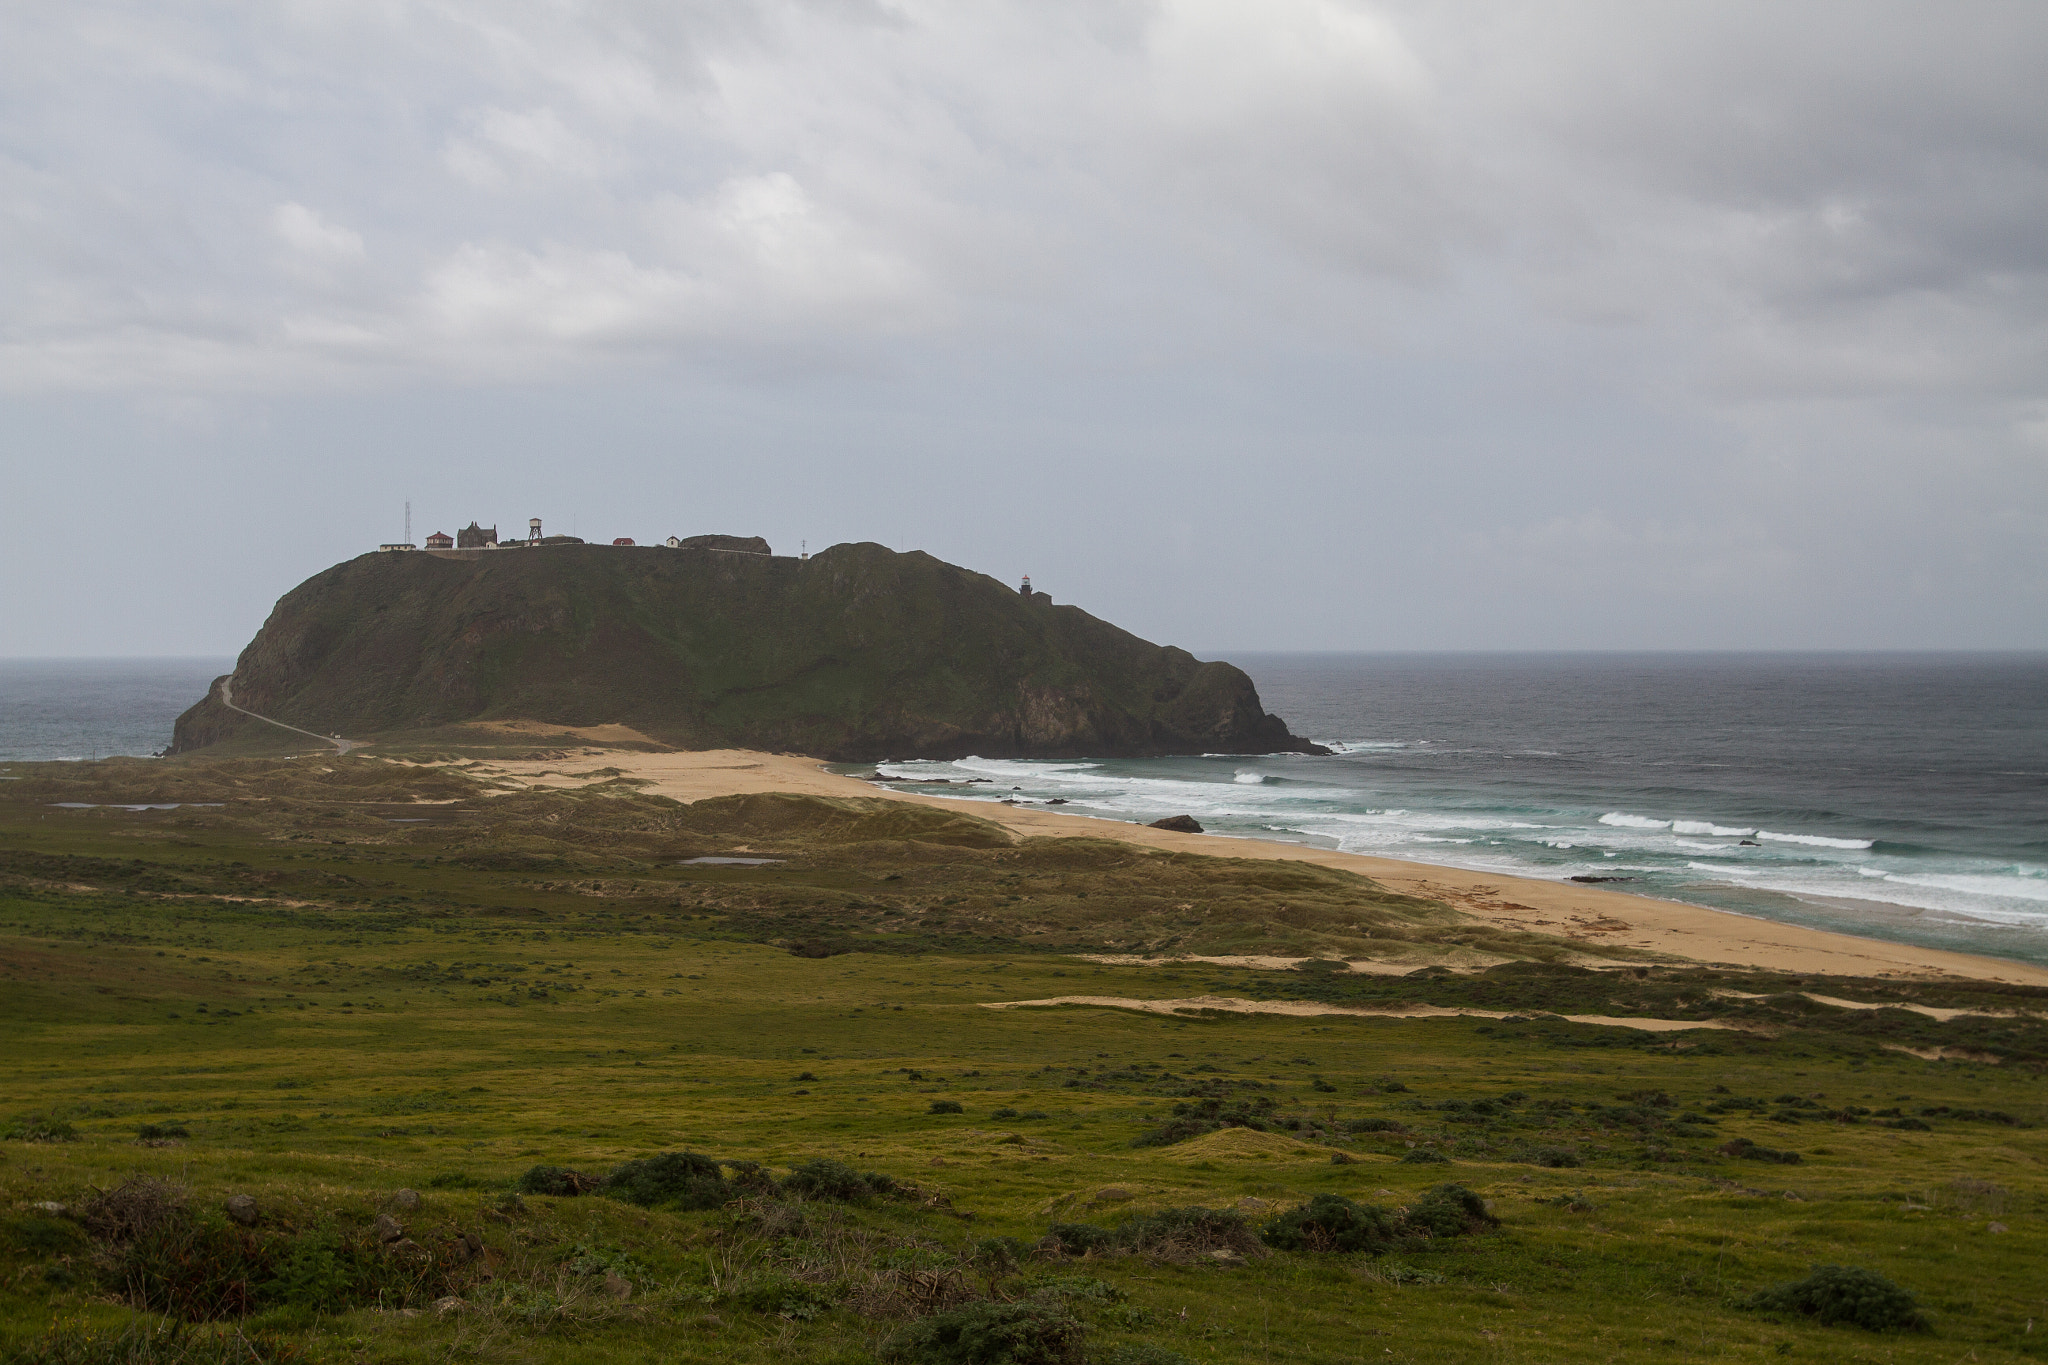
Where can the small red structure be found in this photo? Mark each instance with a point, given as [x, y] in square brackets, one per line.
[440, 540]
[623, 540]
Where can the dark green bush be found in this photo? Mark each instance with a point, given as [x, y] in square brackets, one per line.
[456, 1180]
[1449, 1211]
[680, 1180]
[1330, 1222]
[161, 1132]
[555, 1180]
[1744, 1149]
[823, 1178]
[786, 1298]
[1373, 1126]
[1081, 1239]
[1844, 1294]
[1027, 1333]
[946, 1107]
[1424, 1156]
[1004, 1113]
[1554, 1157]
[1193, 1118]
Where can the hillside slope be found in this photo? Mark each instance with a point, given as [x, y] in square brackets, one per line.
[859, 653]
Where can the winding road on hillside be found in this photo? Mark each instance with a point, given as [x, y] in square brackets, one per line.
[227, 699]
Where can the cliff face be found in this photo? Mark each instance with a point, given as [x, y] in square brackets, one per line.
[858, 654]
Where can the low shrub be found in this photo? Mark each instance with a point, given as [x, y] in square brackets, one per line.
[1074, 1287]
[1170, 1234]
[456, 1180]
[1844, 1294]
[1027, 1333]
[1373, 1126]
[1004, 1113]
[1330, 1222]
[162, 1132]
[1079, 1239]
[677, 1180]
[1556, 1158]
[555, 1180]
[946, 1107]
[1424, 1156]
[1745, 1150]
[786, 1297]
[39, 1128]
[823, 1178]
[1449, 1211]
[1193, 1118]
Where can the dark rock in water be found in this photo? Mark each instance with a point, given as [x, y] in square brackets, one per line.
[1185, 824]
[242, 1209]
[1600, 879]
[857, 654]
[1747, 843]
[1057, 801]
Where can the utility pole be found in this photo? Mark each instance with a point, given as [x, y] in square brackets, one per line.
[408, 521]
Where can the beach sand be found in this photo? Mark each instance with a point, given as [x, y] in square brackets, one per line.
[1592, 915]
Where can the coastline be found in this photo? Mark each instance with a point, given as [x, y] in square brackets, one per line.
[1590, 914]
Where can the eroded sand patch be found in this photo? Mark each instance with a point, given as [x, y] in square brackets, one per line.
[1230, 1004]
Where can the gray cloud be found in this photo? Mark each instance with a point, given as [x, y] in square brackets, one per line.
[1398, 324]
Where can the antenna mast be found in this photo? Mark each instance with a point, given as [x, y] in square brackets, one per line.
[408, 521]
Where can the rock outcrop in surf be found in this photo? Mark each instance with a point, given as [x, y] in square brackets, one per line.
[857, 653]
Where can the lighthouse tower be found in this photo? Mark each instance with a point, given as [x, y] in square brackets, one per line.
[1026, 589]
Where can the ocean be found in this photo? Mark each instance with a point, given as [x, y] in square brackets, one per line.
[1900, 796]
[96, 708]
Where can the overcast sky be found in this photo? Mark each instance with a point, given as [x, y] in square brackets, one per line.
[1315, 324]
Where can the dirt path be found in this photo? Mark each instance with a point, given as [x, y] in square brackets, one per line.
[227, 699]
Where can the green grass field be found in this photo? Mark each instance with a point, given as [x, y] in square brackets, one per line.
[306, 1002]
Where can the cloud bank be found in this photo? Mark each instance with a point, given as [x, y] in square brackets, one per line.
[1642, 308]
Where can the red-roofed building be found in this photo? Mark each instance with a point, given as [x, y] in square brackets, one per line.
[623, 540]
[440, 540]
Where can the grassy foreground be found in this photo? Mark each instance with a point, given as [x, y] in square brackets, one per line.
[295, 997]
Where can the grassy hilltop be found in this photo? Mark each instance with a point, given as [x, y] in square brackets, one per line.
[506, 1077]
[859, 653]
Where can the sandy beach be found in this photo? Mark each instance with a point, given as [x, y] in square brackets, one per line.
[1590, 914]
